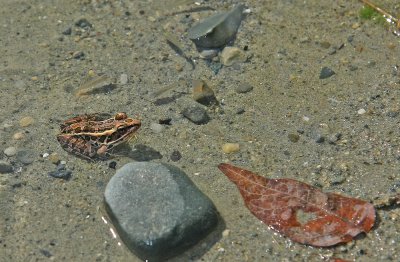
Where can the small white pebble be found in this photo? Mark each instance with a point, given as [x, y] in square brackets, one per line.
[157, 128]
[10, 151]
[45, 155]
[18, 136]
[361, 111]
[306, 118]
[63, 162]
[225, 233]
[123, 79]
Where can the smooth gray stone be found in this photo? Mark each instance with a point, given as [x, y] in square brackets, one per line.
[157, 210]
[217, 30]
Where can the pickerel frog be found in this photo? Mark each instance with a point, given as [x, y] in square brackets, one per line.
[93, 136]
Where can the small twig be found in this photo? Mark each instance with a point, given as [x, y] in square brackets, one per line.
[389, 17]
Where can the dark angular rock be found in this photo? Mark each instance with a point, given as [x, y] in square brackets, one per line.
[326, 72]
[203, 94]
[83, 23]
[5, 167]
[157, 210]
[175, 156]
[61, 172]
[67, 31]
[196, 114]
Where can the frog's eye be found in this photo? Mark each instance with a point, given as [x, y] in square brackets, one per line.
[120, 116]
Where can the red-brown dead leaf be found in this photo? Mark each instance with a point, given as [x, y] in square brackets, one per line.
[300, 211]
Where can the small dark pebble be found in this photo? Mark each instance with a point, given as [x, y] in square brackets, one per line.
[334, 138]
[45, 253]
[61, 172]
[203, 94]
[196, 114]
[353, 67]
[175, 156]
[243, 88]
[67, 31]
[166, 121]
[350, 38]
[215, 67]
[112, 164]
[293, 137]
[5, 167]
[326, 72]
[240, 111]
[319, 139]
[78, 55]
[83, 23]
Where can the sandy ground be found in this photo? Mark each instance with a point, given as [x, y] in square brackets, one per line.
[288, 43]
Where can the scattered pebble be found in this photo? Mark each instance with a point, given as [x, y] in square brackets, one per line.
[54, 158]
[217, 30]
[5, 167]
[123, 79]
[26, 121]
[225, 233]
[229, 148]
[319, 139]
[45, 155]
[18, 136]
[240, 111]
[361, 111]
[203, 94]
[67, 31]
[165, 121]
[175, 156]
[112, 165]
[157, 128]
[209, 53]
[293, 137]
[10, 151]
[158, 211]
[61, 172]
[83, 23]
[231, 55]
[326, 72]
[78, 55]
[243, 88]
[196, 114]
[26, 157]
[334, 138]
